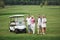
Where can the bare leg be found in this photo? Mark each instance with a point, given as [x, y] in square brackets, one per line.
[38, 30]
[43, 31]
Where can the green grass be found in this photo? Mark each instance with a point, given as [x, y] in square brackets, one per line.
[53, 22]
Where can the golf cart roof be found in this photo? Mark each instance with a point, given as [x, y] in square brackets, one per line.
[13, 16]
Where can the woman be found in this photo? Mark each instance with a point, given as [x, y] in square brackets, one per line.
[44, 21]
[33, 24]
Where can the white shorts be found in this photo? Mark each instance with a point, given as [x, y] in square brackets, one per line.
[43, 25]
[33, 26]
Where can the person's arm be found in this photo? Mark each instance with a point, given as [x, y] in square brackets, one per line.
[45, 20]
[25, 20]
[34, 20]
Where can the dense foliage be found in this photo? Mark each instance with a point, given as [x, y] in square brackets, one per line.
[31, 2]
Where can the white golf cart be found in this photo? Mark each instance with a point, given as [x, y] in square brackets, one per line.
[17, 24]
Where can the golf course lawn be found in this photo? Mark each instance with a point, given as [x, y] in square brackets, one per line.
[53, 22]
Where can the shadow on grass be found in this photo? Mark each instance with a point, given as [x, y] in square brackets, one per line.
[53, 8]
[1, 14]
[30, 38]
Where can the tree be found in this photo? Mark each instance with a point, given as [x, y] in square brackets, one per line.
[46, 2]
[2, 4]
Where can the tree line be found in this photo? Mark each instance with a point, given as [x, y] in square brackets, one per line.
[31, 2]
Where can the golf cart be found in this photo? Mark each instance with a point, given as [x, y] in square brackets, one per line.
[17, 24]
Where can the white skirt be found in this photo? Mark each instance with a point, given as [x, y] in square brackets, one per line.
[43, 25]
[33, 26]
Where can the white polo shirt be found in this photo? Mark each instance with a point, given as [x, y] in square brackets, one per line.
[39, 21]
[28, 20]
[44, 20]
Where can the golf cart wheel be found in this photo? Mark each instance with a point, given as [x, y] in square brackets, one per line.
[11, 31]
[25, 30]
[16, 31]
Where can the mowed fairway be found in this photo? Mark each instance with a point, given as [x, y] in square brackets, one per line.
[53, 22]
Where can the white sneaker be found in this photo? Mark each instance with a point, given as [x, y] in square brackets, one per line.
[40, 33]
[43, 33]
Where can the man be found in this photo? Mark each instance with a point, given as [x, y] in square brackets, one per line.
[39, 24]
[44, 21]
[28, 19]
[33, 24]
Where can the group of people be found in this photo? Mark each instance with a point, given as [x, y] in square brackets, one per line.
[41, 24]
